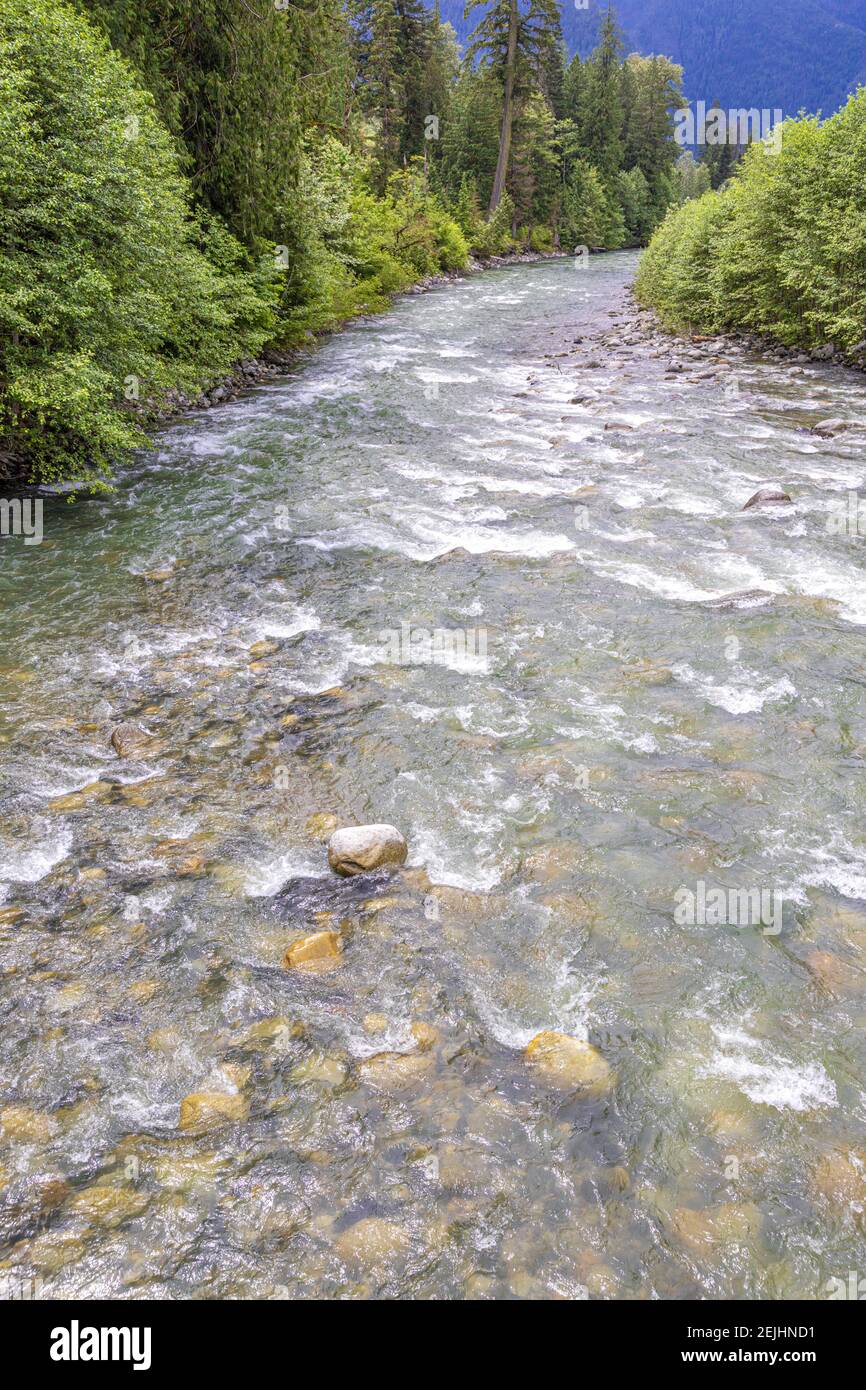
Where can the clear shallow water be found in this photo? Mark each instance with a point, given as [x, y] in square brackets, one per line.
[636, 726]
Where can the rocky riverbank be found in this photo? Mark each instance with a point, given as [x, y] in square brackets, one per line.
[629, 334]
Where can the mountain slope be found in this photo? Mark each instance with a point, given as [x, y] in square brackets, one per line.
[791, 54]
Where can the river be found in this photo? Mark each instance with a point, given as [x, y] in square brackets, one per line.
[642, 695]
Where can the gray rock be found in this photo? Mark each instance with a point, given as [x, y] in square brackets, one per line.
[358, 849]
[765, 496]
[741, 598]
[827, 429]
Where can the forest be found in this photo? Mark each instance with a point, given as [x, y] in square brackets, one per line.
[190, 185]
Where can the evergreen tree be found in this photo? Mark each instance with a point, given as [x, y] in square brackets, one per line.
[718, 159]
[572, 87]
[414, 49]
[238, 84]
[496, 39]
[470, 138]
[601, 111]
[534, 182]
[440, 79]
[520, 47]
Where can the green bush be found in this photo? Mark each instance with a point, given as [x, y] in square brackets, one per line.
[676, 270]
[541, 239]
[359, 248]
[494, 237]
[109, 288]
[781, 248]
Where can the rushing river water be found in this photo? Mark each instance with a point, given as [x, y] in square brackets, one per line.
[651, 695]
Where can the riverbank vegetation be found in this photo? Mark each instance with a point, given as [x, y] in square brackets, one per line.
[188, 184]
[778, 250]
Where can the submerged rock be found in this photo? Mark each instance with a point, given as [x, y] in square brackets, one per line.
[277, 1032]
[425, 1035]
[26, 1125]
[374, 1023]
[393, 1072]
[181, 856]
[715, 1232]
[127, 739]
[617, 1178]
[206, 1109]
[373, 1242]
[164, 1040]
[321, 825]
[835, 974]
[325, 1071]
[107, 1206]
[320, 950]
[840, 1178]
[765, 496]
[73, 801]
[568, 1063]
[740, 598]
[645, 673]
[360, 848]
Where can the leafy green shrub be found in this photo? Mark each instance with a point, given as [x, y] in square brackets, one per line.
[675, 273]
[359, 248]
[494, 237]
[451, 246]
[781, 248]
[109, 289]
[541, 239]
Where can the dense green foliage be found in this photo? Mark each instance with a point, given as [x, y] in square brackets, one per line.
[110, 288]
[190, 182]
[237, 82]
[780, 249]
